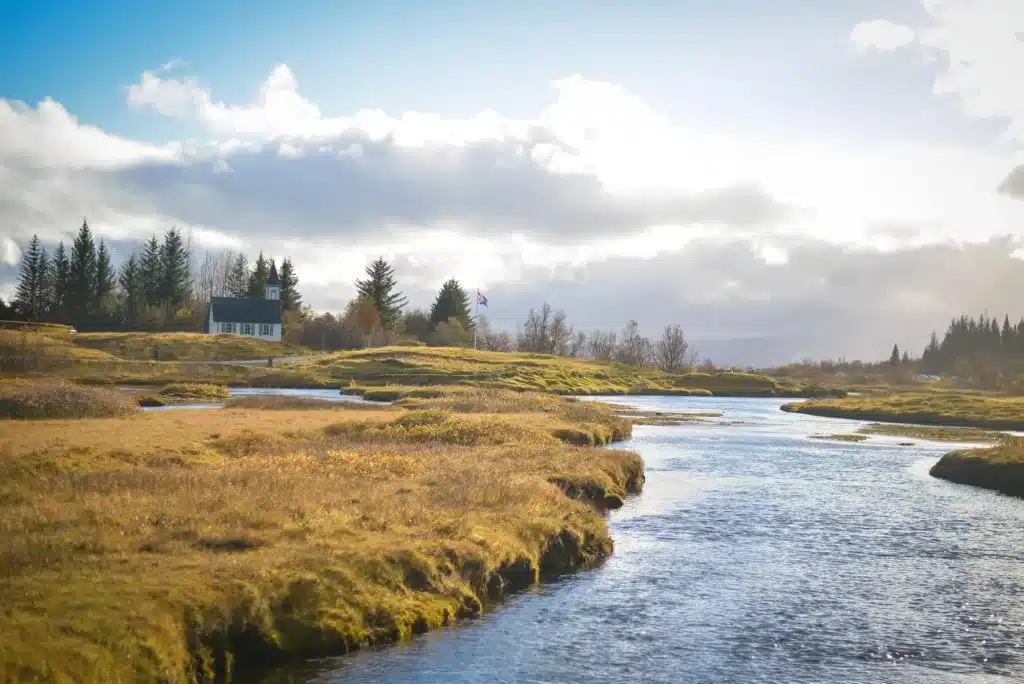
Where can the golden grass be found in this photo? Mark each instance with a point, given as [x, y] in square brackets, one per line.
[999, 467]
[957, 410]
[180, 346]
[195, 390]
[935, 434]
[841, 438]
[277, 402]
[178, 546]
[24, 400]
[392, 372]
[33, 347]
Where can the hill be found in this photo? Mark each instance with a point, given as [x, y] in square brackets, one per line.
[180, 346]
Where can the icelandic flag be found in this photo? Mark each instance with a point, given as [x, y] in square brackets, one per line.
[480, 299]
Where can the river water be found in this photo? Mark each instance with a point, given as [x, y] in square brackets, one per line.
[756, 554]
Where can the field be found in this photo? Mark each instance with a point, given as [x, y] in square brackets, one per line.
[183, 546]
[402, 368]
[1000, 467]
[137, 346]
[954, 410]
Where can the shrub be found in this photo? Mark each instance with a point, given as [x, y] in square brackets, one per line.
[41, 400]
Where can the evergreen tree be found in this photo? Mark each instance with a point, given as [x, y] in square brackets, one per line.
[906, 357]
[894, 358]
[30, 297]
[238, 278]
[291, 300]
[82, 279]
[133, 294]
[258, 278]
[379, 288]
[451, 302]
[151, 272]
[104, 286]
[174, 258]
[60, 276]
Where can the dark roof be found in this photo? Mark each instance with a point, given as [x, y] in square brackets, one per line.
[272, 279]
[246, 310]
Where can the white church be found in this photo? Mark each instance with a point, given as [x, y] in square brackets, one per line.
[248, 316]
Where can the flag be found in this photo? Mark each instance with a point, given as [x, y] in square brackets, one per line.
[480, 299]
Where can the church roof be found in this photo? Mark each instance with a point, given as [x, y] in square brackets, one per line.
[245, 310]
[272, 279]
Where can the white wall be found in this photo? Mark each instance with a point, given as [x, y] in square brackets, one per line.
[274, 336]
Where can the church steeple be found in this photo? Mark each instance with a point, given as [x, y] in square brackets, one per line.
[273, 282]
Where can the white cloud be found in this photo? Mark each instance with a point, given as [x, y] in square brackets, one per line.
[881, 35]
[597, 198]
[10, 253]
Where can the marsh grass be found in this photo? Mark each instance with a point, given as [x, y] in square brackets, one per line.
[195, 390]
[841, 437]
[944, 409]
[27, 400]
[279, 402]
[181, 546]
[932, 433]
[183, 346]
[999, 467]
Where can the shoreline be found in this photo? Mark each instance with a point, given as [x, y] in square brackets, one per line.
[253, 548]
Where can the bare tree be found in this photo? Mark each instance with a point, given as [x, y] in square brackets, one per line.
[559, 334]
[578, 345]
[672, 352]
[602, 345]
[491, 340]
[535, 336]
[634, 349]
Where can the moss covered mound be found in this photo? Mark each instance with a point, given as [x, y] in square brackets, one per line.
[34, 400]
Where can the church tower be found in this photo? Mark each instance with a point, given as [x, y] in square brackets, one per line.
[273, 283]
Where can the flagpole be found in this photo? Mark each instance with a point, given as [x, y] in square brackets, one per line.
[476, 318]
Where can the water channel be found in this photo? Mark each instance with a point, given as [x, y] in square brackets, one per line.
[757, 554]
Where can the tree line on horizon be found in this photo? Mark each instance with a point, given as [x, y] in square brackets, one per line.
[166, 286]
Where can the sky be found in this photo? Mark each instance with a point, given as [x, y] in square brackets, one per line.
[784, 180]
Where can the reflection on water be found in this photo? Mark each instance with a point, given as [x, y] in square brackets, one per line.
[323, 394]
[756, 554]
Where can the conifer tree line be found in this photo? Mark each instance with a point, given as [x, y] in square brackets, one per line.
[975, 346]
[164, 284]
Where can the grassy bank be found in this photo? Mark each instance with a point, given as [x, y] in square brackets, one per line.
[179, 546]
[1000, 467]
[931, 433]
[396, 370]
[139, 346]
[955, 410]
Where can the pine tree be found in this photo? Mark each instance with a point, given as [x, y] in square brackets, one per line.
[451, 302]
[30, 297]
[291, 300]
[174, 258]
[238, 278]
[257, 288]
[151, 272]
[82, 279]
[379, 288]
[60, 275]
[104, 286]
[133, 295]
[894, 358]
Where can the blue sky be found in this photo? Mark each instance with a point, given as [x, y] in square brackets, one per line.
[822, 175]
[778, 67]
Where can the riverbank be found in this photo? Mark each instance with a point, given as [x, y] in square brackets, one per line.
[987, 412]
[999, 468]
[180, 546]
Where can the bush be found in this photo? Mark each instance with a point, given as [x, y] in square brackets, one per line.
[22, 400]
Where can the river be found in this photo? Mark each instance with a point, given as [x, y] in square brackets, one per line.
[756, 554]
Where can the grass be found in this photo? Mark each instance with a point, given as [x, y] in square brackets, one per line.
[23, 400]
[954, 410]
[30, 348]
[935, 434]
[393, 372]
[999, 467]
[182, 546]
[277, 402]
[195, 390]
[179, 346]
[841, 438]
